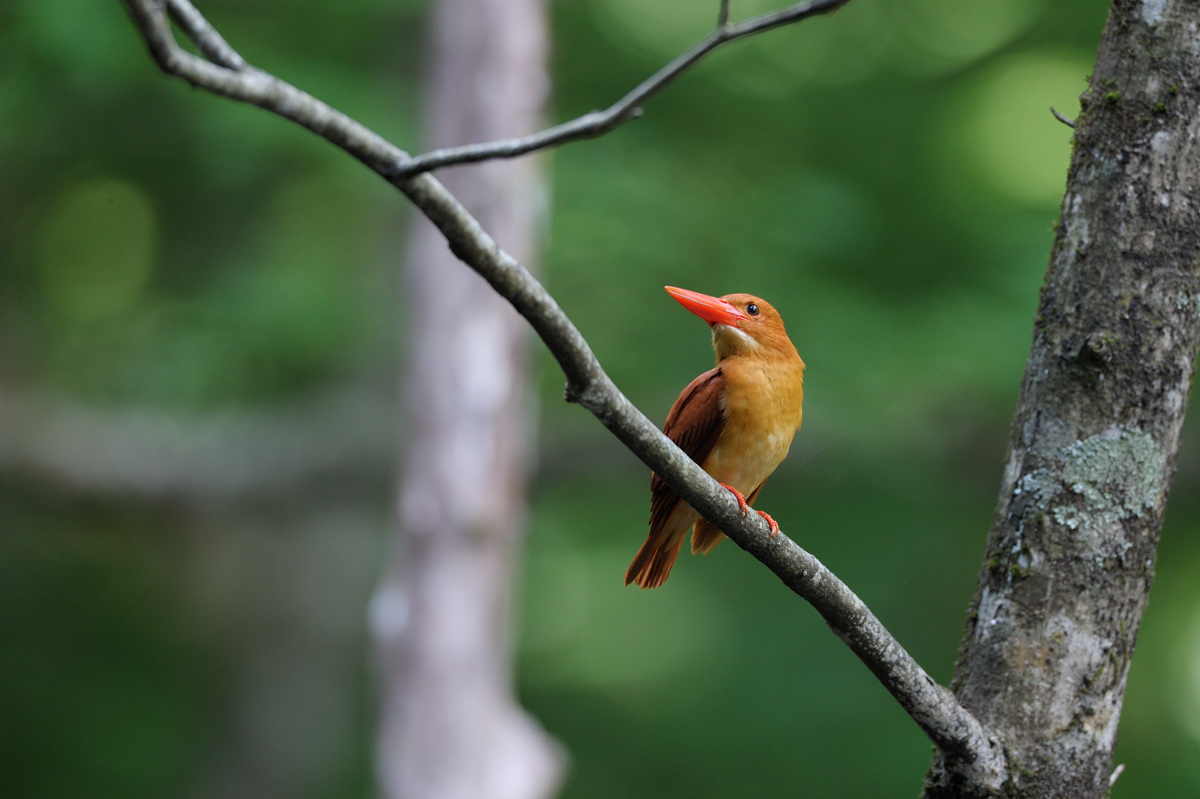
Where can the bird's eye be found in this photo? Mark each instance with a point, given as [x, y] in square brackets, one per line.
[752, 309]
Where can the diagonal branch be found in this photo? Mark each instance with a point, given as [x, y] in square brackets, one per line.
[948, 724]
[597, 123]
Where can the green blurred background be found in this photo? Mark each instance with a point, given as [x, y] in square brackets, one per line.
[199, 317]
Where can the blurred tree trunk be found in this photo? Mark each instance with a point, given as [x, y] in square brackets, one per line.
[1071, 553]
[451, 727]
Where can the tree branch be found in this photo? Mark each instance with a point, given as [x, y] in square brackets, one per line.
[948, 724]
[1061, 117]
[211, 43]
[598, 123]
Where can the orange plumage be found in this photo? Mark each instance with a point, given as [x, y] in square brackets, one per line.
[736, 420]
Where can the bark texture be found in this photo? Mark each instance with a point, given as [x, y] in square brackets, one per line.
[444, 618]
[1071, 552]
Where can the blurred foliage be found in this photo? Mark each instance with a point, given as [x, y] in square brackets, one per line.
[887, 177]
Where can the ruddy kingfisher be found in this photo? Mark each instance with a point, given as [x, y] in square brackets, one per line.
[736, 420]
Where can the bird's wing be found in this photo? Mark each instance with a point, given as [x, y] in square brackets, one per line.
[694, 424]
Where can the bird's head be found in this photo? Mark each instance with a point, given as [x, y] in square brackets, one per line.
[742, 324]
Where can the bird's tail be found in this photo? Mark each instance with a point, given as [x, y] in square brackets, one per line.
[705, 537]
[654, 560]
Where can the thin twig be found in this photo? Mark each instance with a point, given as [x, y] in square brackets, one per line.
[206, 37]
[948, 724]
[597, 123]
[1070, 123]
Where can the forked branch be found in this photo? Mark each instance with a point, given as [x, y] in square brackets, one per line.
[597, 123]
[950, 726]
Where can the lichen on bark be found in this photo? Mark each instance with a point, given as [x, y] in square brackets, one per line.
[1102, 480]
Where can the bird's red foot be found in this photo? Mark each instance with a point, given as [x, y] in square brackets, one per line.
[738, 496]
[774, 525]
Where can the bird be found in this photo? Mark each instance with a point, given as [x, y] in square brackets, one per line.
[737, 420]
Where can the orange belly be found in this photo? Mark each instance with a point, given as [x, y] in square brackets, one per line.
[762, 409]
[745, 461]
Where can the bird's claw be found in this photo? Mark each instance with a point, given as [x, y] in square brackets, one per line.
[745, 508]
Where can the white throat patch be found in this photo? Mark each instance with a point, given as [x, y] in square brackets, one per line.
[728, 339]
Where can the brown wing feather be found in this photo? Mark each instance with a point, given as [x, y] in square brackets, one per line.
[694, 423]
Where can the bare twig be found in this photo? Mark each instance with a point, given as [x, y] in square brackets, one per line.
[597, 123]
[948, 724]
[206, 37]
[1070, 123]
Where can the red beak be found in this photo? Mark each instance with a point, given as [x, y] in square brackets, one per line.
[711, 309]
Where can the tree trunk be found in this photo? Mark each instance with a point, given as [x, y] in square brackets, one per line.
[451, 726]
[1070, 557]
